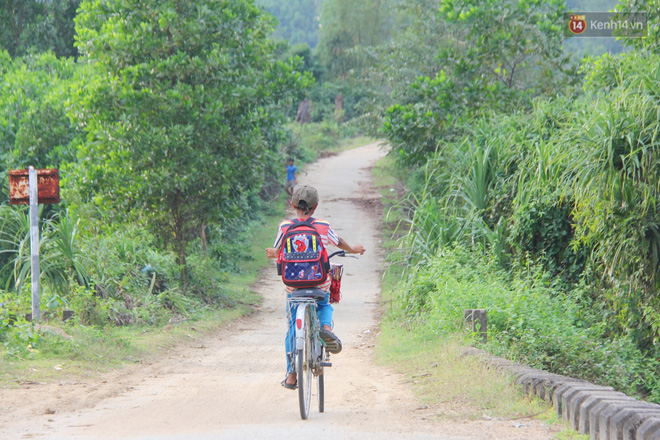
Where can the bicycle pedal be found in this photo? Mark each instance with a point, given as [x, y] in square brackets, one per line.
[326, 364]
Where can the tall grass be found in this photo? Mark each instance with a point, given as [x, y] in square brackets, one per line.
[569, 191]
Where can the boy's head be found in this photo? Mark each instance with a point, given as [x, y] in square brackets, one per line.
[305, 198]
[290, 161]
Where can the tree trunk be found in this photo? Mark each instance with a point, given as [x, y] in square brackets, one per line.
[204, 242]
[339, 108]
[179, 235]
[181, 260]
[304, 112]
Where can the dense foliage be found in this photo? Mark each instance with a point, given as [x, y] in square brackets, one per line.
[527, 321]
[554, 175]
[487, 57]
[348, 30]
[32, 26]
[166, 129]
[185, 97]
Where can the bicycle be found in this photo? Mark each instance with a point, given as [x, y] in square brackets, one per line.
[310, 356]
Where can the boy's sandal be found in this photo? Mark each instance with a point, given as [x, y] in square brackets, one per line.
[289, 386]
[331, 341]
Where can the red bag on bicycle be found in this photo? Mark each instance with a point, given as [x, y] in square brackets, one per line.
[303, 260]
[336, 271]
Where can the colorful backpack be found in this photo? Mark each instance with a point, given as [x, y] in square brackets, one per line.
[303, 260]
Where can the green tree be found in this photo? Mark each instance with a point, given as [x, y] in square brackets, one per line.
[400, 61]
[494, 56]
[181, 109]
[651, 8]
[506, 42]
[347, 25]
[34, 130]
[616, 179]
[310, 63]
[38, 26]
[34, 126]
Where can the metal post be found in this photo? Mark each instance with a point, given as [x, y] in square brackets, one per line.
[477, 320]
[34, 243]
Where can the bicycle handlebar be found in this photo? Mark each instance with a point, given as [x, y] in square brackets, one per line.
[341, 253]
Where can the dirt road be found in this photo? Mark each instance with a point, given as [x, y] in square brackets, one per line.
[228, 386]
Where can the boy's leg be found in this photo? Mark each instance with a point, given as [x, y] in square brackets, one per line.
[289, 344]
[324, 312]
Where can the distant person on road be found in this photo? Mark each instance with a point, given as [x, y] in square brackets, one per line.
[291, 180]
[305, 200]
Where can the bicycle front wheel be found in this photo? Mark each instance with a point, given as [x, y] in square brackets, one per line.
[321, 386]
[304, 367]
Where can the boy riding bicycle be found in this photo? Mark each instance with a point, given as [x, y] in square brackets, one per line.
[305, 200]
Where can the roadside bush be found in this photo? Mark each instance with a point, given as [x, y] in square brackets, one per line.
[527, 320]
[125, 261]
[615, 178]
[59, 254]
[90, 309]
[571, 185]
[18, 337]
[22, 340]
[542, 229]
[205, 277]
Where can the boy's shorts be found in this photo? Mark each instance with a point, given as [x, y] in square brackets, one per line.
[290, 184]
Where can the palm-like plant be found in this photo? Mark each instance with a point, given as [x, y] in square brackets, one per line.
[618, 186]
[14, 245]
[475, 187]
[60, 259]
[63, 259]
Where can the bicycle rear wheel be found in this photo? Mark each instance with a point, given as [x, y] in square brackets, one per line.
[304, 367]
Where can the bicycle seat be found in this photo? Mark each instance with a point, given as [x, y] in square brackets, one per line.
[313, 293]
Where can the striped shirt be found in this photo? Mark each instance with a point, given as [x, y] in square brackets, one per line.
[328, 236]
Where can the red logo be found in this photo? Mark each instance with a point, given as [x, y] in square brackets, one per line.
[577, 24]
[300, 245]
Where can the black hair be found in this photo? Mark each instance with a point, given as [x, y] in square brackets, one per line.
[303, 206]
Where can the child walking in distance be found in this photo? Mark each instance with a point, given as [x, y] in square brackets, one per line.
[305, 200]
[291, 180]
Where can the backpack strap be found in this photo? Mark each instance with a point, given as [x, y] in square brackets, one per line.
[295, 223]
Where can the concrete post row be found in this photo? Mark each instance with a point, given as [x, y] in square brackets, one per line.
[601, 412]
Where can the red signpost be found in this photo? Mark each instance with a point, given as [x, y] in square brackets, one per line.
[32, 187]
[48, 183]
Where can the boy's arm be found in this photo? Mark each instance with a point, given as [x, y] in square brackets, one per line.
[272, 252]
[356, 249]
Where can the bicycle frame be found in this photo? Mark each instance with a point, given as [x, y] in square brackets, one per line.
[300, 320]
[301, 305]
[308, 358]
